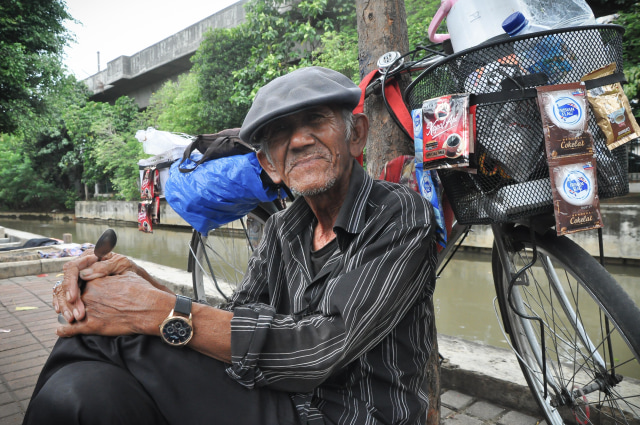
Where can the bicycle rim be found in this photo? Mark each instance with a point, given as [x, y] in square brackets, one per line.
[219, 259]
[591, 331]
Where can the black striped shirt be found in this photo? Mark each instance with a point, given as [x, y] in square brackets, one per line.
[351, 343]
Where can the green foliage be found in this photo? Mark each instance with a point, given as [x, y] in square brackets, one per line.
[222, 52]
[104, 146]
[419, 16]
[629, 19]
[631, 43]
[22, 186]
[32, 38]
[178, 107]
[285, 37]
[339, 52]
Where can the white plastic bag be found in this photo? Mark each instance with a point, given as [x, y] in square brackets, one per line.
[559, 13]
[155, 142]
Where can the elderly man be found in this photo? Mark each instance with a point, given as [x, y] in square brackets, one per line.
[332, 322]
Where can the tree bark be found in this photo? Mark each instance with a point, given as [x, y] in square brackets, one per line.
[382, 27]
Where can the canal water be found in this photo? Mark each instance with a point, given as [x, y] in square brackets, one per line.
[463, 299]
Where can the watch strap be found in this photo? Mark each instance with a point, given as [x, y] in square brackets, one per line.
[183, 305]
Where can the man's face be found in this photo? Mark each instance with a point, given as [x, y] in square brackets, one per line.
[309, 150]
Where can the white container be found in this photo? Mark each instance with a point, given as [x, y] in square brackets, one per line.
[471, 22]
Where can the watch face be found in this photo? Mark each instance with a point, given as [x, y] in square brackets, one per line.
[176, 331]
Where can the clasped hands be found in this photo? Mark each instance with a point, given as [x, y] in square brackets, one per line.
[113, 302]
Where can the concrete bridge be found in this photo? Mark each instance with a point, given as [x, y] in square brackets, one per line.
[141, 74]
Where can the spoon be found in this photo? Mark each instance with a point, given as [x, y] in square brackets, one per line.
[106, 242]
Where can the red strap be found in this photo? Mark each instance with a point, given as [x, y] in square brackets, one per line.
[394, 97]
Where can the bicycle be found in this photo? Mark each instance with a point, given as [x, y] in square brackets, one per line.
[575, 332]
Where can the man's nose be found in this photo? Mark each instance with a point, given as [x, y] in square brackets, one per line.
[301, 137]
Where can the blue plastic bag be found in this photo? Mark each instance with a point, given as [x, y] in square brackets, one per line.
[218, 191]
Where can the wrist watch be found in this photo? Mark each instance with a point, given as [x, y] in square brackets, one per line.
[177, 330]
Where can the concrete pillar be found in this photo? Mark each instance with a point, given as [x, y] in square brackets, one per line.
[67, 237]
[2, 234]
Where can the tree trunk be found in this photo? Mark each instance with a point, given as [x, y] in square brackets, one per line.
[382, 27]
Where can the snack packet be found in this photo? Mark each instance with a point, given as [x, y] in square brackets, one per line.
[575, 193]
[416, 116]
[156, 210]
[445, 132]
[431, 189]
[147, 188]
[612, 109]
[565, 119]
[145, 215]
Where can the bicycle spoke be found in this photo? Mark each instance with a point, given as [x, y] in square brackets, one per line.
[577, 340]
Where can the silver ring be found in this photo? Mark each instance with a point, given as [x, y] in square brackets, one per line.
[58, 283]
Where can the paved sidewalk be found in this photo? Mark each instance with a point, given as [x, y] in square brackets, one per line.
[27, 334]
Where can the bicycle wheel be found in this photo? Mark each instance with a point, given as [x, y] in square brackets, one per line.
[586, 337]
[218, 260]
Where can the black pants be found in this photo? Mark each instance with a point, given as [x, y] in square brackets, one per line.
[140, 380]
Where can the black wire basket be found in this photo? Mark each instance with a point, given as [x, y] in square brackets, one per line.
[512, 179]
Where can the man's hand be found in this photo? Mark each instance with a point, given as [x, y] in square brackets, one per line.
[66, 296]
[120, 304]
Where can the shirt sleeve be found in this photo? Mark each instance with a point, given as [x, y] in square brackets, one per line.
[384, 272]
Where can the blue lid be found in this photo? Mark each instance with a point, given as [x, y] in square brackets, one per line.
[514, 23]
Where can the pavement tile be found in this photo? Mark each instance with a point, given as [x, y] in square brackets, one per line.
[9, 410]
[455, 400]
[484, 410]
[22, 373]
[5, 398]
[13, 419]
[23, 393]
[27, 351]
[21, 363]
[461, 419]
[445, 411]
[29, 381]
[17, 342]
[517, 418]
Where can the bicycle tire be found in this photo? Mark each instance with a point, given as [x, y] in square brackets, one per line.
[218, 260]
[571, 365]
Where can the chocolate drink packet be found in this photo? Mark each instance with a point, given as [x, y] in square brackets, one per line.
[612, 109]
[445, 132]
[155, 208]
[565, 119]
[145, 215]
[574, 186]
[147, 188]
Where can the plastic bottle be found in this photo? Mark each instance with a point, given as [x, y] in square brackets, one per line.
[547, 54]
[518, 24]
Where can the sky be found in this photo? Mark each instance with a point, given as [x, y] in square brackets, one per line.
[124, 27]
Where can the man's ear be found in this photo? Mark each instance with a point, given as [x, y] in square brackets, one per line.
[268, 167]
[359, 135]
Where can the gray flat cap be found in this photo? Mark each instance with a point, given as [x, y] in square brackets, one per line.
[301, 89]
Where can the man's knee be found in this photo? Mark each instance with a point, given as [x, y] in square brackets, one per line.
[92, 393]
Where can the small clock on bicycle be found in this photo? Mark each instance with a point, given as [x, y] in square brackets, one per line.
[177, 330]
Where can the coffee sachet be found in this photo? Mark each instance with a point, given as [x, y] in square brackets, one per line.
[445, 132]
[612, 109]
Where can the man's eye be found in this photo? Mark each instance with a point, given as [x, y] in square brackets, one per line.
[316, 117]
